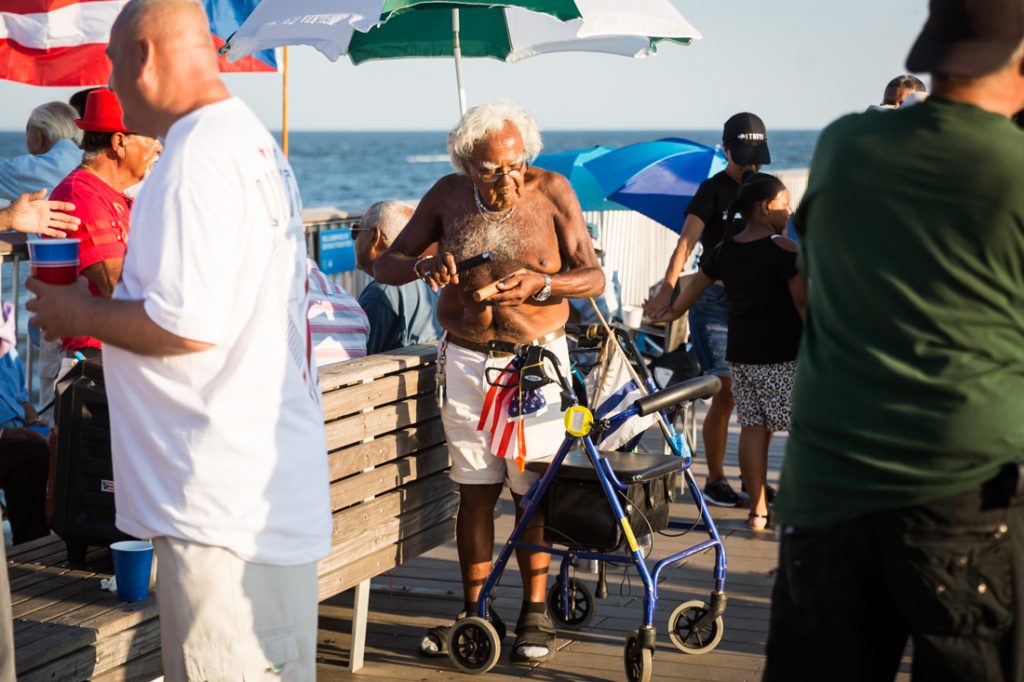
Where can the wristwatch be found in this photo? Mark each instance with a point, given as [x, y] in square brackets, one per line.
[545, 292]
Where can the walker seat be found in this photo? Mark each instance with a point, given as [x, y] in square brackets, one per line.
[577, 514]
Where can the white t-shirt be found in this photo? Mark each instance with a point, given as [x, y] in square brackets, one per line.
[226, 446]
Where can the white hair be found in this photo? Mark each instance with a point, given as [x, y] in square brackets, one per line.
[56, 122]
[390, 217]
[482, 120]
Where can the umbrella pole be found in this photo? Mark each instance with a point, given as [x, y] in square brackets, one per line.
[284, 102]
[457, 53]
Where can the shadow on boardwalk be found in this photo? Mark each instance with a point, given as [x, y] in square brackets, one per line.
[426, 592]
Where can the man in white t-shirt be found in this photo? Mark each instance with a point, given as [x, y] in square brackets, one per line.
[217, 430]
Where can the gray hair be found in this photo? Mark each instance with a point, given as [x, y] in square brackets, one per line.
[482, 120]
[390, 217]
[56, 122]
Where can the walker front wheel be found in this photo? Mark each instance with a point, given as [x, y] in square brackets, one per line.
[473, 645]
[581, 605]
[639, 660]
[687, 636]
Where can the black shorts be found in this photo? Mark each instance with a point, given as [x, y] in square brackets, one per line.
[948, 574]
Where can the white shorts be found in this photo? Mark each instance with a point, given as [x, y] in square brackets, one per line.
[222, 618]
[466, 388]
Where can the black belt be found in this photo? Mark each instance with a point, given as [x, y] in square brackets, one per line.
[482, 347]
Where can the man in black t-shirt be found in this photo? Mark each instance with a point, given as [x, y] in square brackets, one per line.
[745, 141]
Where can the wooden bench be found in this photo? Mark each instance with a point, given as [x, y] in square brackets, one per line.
[391, 496]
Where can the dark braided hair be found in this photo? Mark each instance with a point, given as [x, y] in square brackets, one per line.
[755, 188]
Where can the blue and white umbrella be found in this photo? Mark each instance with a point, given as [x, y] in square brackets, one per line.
[586, 186]
[658, 178]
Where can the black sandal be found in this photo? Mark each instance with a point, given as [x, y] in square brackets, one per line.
[533, 629]
[752, 520]
[438, 635]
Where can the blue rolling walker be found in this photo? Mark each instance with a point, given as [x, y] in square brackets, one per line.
[573, 486]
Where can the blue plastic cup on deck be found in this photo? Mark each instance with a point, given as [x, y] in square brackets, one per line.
[133, 567]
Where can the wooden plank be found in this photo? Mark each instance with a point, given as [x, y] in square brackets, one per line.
[33, 645]
[355, 572]
[103, 617]
[426, 490]
[357, 458]
[333, 377]
[362, 540]
[22, 577]
[122, 617]
[382, 391]
[56, 641]
[146, 667]
[105, 598]
[356, 488]
[105, 655]
[18, 552]
[57, 588]
[383, 420]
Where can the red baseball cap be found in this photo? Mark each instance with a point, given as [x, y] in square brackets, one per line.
[103, 113]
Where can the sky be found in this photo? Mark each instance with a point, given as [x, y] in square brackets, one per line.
[797, 63]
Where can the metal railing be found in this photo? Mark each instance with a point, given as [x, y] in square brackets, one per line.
[636, 252]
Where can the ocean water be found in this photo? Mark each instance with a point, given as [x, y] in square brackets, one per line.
[353, 170]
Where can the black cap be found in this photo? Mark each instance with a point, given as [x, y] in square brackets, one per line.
[968, 37]
[746, 139]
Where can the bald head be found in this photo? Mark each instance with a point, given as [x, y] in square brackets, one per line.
[164, 62]
[168, 23]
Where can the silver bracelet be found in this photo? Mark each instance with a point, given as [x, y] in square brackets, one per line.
[416, 267]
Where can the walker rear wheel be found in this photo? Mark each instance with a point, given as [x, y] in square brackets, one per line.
[473, 645]
[639, 660]
[684, 633]
[581, 604]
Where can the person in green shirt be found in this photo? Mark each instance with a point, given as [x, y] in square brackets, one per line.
[901, 502]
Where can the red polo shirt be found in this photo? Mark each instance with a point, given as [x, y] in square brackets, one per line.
[103, 233]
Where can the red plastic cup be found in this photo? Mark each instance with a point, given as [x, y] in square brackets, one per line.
[54, 261]
[55, 273]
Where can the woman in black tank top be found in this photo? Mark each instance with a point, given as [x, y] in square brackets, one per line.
[767, 296]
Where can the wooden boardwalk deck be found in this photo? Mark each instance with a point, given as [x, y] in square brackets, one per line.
[426, 592]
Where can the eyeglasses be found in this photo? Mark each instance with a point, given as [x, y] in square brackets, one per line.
[489, 176]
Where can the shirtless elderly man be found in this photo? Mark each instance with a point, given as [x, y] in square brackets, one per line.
[530, 220]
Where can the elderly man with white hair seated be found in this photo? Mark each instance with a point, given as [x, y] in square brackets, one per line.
[52, 140]
[399, 315]
[541, 254]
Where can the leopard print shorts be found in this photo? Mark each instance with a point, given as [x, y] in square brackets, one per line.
[762, 394]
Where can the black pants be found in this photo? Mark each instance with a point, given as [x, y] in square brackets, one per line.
[948, 574]
[24, 465]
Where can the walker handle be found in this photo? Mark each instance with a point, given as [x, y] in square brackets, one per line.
[692, 389]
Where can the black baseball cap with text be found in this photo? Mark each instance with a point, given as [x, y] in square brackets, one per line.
[968, 38]
[747, 140]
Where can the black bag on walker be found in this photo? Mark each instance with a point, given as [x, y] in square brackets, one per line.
[578, 515]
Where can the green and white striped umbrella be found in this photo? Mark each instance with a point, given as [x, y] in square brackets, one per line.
[509, 31]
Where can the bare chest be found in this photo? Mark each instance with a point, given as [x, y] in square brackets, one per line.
[525, 239]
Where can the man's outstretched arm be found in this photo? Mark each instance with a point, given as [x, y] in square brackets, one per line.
[73, 311]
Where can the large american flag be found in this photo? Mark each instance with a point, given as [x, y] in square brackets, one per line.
[62, 42]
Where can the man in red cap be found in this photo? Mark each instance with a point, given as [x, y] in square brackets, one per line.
[113, 160]
[901, 503]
